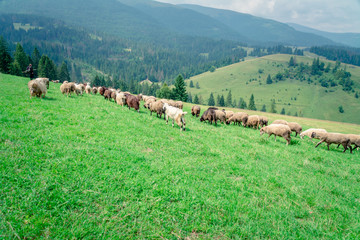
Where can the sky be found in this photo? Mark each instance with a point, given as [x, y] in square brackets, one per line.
[324, 15]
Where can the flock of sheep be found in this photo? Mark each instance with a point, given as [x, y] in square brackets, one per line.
[173, 110]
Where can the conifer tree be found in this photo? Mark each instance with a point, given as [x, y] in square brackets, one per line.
[282, 111]
[197, 85]
[242, 104]
[35, 57]
[65, 76]
[269, 80]
[189, 98]
[21, 58]
[273, 106]
[196, 99]
[191, 84]
[252, 105]
[222, 101]
[5, 57]
[228, 102]
[180, 89]
[263, 109]
[211, 101]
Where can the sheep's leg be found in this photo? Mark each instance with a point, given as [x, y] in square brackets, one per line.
[296, 134]
[173, 123]
[319, 143]
[328, 145]
[338, 145]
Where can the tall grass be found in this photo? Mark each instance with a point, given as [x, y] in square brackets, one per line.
[83, 167]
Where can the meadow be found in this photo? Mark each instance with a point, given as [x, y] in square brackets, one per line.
[296, 97]
[82, 167]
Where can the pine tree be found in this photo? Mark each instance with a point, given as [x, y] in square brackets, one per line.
[228, 102]
[180, 89]
[269, 80]
[65, 76]
[218, 100]
[282, 111]
[211, 101]
[222, 101]
[263, 109]
[191, 84]
[15, 69]
[196, 99]
[273, 106]
[242, 104]
[189, 98]
[197, 85]
[21, 58]
[5, 57]
[164, 92]
[35, 57]
[47, 68]
[252, 105]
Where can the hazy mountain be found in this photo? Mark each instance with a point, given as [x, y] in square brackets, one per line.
[351, 39]
[161, 22]
[261, 29]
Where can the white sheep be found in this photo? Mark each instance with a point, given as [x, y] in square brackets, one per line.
[175, 114]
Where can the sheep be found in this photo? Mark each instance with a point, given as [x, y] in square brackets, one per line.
[132, 101]
[176, 114]
[113, 95]
[310, 131]
[121, 99]
[88, 89]
[195, 110]
[263, 121]
[209, 115]
[228, 114]
[220, 115]
[45, 81]
[102, 90]
[107, 94]
[277, 130]
[67, 87]
[55, 81]
[279, 121]
[78, 89]
[94, 90]
[329, 138]
[157, 107]
[37, 88]
[147, 103]
[354, 139]
[179, 104]
[295, 127]
[238, 117]
[146, 98]
[253, 121]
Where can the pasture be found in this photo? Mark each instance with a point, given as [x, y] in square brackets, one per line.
[83, 167]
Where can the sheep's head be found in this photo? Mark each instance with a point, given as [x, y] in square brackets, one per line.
[165, 106]
[227, 122]
[262, 131]
[313, 134]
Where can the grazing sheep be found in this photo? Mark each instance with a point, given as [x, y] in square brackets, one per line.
[228, 114]
[146, 98]
[253, 121]
[45, 81]
[354, 140]
[209, 115]
[78, 89]
[220, 115]
[310, 131]
[148, 101]
[157, 107]
[88, 89]
[176, 114]
[102, 90]
[238, 117]
[67, 87]
[263, 121]
[132, 101]
[337, 138]
[113, 95]
[107, 94]
[280, 122]
[277, 130]
[94, 90]
[55, 81]
[179, 104]
[121, 99]
[195, 110]
[295, 127]
[37, 88]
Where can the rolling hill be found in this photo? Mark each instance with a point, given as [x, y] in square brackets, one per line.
[303, 98]
[83, 167]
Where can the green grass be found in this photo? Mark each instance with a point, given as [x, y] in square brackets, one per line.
[82, 167]
[307, 100]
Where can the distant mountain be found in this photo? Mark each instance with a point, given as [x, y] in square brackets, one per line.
[261, 29]
[351, 39]
[161, 23]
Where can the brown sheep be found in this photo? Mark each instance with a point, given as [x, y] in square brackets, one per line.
[132, 101]
[295, 127]
[157, 107]
[220, 115]
[228, 114]
[354, 140]
[238, 117]
[107, 94]
[277, 130]
[94, 90]
[179, 104]
[37, 88]
[263, 121]
[148, 101]
[102, 90]
[195, 110]
[113, 95]
[337, 138]
[68, 88]
[253, 121]
[209, 115]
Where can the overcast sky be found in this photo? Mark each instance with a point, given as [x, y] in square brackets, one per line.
[325, 15]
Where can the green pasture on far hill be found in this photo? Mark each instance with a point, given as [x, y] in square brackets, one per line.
[81, 167]
[296, 97]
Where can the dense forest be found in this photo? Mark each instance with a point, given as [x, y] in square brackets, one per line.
[342, 54]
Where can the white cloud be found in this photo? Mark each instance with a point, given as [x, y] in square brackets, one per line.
[326, 15]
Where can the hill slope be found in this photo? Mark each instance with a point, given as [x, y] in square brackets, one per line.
[301, 97]
[83, 167]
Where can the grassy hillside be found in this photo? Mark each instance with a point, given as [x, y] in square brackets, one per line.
[82, 167]
[305, 99]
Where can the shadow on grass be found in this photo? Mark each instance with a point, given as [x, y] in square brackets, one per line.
[49, 98]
